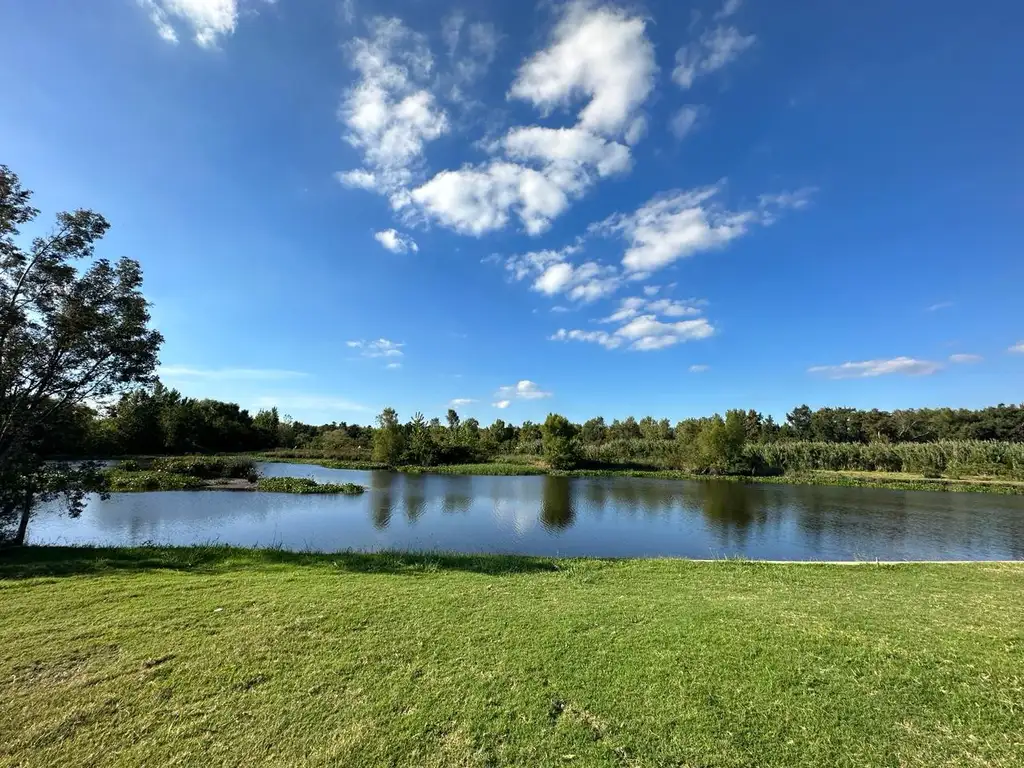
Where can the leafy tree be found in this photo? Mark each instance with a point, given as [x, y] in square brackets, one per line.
[388, 439]
[422, 450]
[68, 336]
[594, 430]
[799, 421]
[268, 427]
[560, 444]
[453, 423]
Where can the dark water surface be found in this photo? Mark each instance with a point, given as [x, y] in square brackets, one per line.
[601, 517]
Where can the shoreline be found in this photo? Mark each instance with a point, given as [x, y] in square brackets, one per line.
[835, 478]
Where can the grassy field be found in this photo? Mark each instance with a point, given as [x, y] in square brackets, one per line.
[218, 657]
[904, 481]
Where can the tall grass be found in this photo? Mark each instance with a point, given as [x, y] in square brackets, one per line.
[976, 458]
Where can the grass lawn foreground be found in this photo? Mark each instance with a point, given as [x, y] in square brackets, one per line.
[217, 657]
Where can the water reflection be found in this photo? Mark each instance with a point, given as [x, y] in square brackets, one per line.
[563, 516]
[557, 511]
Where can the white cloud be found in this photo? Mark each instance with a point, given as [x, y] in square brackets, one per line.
[396, 242]
[715, 48]
[209, 19]
[522, 390]
[729, 8]
[940, 305]
[600, 53]
[390, 113]
[568, 152]
[477, 200]
[377, 348]
[670, 308]
[651, 290]
[963, 359]
[461, 401]
[587, 282]
[607, 340]
[906, 366]
[533, 263]
[348, 11]
[247, 374]
[1017, 348]
[502, 404]
[393, 366]
[699, 368]
[685, 120]
[679, 224]
[644, 332]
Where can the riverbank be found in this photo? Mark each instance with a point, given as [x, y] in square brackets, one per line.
[891, 480]
[224, 656]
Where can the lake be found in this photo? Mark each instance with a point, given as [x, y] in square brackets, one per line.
[559, 516]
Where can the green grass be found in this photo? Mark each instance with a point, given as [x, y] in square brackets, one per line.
[151, 480]
[305, 485]
[218, 657]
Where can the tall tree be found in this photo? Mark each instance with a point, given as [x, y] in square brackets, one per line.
[388, 439]
[70, 333]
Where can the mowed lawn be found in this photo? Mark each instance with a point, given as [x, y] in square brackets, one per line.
[216, 657]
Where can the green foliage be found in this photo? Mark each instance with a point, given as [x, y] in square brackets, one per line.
[389, 439]
[206, 467]
[73, 328]
[305, 485]
[422, 450]
[560, 442]
[151, 480]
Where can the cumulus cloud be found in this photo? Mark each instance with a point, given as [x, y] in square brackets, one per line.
[521, 390]
[716, 48]
[679, 224]
[377, 347]
[390, 113]
[587, 282]
[601, 54]
[640, 328]
[502, 404]
[905, 366]
[455, 402]
[685, 120]
[1017, 348]
[964, 359]
[396, 242]
[208, 19]
[533, 263]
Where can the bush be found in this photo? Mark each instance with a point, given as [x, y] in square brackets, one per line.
[207, 467]
[305, 485]
[560, 443]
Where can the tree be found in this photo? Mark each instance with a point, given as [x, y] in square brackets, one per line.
[422, 450]
[799, 421]
[560, 444]
[453, 422]
[388, 439]
[69, 335]
[594, 430]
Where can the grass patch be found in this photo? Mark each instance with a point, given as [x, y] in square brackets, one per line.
[140, 481]
[305, 485]
[219, 656]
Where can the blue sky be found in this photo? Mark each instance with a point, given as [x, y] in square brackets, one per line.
[594, 208]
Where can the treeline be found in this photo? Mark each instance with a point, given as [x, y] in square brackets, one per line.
[159, 420]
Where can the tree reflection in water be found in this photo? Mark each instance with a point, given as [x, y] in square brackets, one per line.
[414, 497]
[557, 512]
[458, 494]
[381, 497]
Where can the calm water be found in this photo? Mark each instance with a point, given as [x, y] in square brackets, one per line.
[606, 517]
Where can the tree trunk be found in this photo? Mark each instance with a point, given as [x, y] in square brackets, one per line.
[19, 538]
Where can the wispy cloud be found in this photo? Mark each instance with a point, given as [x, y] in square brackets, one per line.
[716, 47]
[396, 242]
[940, 305]
[502, 404]
[209, 19]
[640, 328]
[964, 359]
[699, 368]
[377, 347]
[904, 366]
[685, 120]
[226, 374]
[393, 366]
[1017, 348]
[456, 402]
[679, 224]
